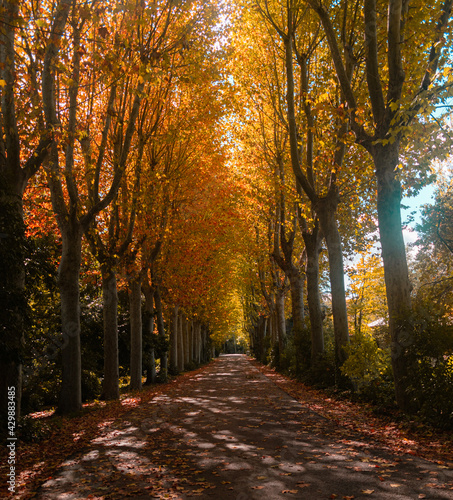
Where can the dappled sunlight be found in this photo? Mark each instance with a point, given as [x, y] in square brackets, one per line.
[235, 435]
[92, 455]
[124, 437]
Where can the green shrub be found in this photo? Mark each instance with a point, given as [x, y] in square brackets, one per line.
[434, 391]
[367, 364]
[41, 386]
[91, 386]
[322, 373]
[432, 367]
[287, 359]
[32, 430]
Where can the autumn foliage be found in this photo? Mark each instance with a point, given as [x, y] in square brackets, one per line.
[182, 178]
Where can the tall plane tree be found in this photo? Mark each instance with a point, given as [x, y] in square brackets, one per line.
[299, 39]
[380, 119]
[75, 210]
[24, 142]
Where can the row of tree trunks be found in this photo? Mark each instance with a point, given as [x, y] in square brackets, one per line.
[324, 208]
[269, 330]
[189, 342]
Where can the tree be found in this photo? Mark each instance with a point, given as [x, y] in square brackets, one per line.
[287, 23]
[380, 120]
[367, 302]
[433, 264]
[110, 247]
[25, 140]
[74, 212]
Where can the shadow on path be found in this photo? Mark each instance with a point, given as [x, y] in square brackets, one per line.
[228, 432]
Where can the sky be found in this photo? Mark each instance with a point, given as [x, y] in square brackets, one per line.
[415, 205]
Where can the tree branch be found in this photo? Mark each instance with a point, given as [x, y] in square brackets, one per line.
[372, 64]
[437, 46]
[395, 64]
[121, 163]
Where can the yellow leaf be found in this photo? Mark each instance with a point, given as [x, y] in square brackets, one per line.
[393, 106]
[2, 83]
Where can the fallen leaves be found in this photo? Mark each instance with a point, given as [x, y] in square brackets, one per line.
[181, 468]
[399, 436]
[39, 461]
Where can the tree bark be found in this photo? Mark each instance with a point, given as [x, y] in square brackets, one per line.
[68, 282]
[313, 248]
[297, 282]
[281, 322]
[188, 356]
[273, 328]
[198, 343]
[110, 388]
[397, 284]
[202, 344]
[135, 311]
[326, 211]
[174, 367]
[12, 298]
[13, 182]
[148, 333]
[185, 337]
[161, 332]
[192, 340]
[180, 341]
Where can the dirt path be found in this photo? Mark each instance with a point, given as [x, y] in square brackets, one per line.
[231, 433]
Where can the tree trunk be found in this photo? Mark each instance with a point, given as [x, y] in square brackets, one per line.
[180, 341]
[192, 341]
[68, 281]
[296, 282]
[273, 328]
[185, 335]
[398, 287]
[135, 312]
[174, 367]
[197, 343]
[281, 323]
[326, 210]
[110, 388]
[161, 332]
[313, 248]
[12, 298]
[189, 357]
[202, 344]
[148, 333]
[151, 372]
